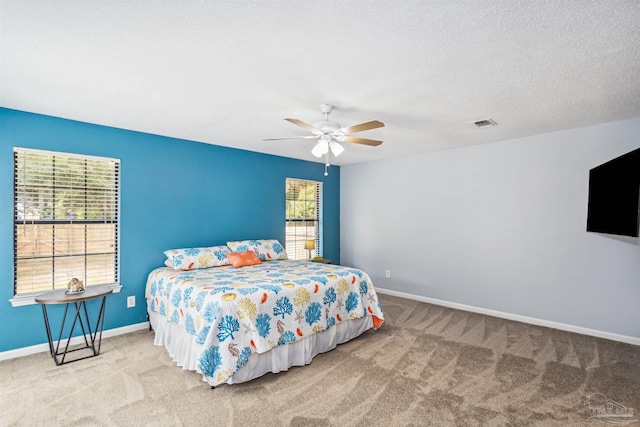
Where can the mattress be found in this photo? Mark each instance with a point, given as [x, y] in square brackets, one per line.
[235, 324]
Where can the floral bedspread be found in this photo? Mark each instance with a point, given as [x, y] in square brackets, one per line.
[234, 312]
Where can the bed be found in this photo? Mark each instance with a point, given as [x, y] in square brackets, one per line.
[236, 323]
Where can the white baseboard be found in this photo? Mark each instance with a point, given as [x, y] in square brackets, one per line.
[44, 347]
[516, 317]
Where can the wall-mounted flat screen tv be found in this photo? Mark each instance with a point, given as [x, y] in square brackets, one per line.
[614, 196]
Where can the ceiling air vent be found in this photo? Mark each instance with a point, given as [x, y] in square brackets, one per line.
[486, 123]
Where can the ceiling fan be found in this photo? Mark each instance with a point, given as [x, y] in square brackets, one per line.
[330, 135]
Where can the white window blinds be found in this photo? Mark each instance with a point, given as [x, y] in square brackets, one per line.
[303, 218]
[65, 220]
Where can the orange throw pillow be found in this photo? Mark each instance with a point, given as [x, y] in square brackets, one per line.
[242, 259]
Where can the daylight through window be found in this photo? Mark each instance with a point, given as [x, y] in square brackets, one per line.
[65, 220]
[303, 217]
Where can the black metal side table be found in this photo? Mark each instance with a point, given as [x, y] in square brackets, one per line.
[92, 338]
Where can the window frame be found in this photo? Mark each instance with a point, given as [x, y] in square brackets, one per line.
[292, 253]
[27, 298]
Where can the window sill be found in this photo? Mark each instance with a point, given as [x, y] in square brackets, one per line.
[30, 299]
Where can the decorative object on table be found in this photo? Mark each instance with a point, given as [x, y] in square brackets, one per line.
[75, 286]
[309, 245]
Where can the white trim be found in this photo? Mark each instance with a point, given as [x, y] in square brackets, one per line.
[319, 220]
[516, 317]
[39, 348]
[61, 153]
[30, 299]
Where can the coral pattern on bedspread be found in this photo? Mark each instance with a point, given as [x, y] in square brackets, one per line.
[234, 312]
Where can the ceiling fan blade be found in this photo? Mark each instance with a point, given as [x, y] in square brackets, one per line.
[302, 124]
[373, 124]
[290, 137]
[372, 142]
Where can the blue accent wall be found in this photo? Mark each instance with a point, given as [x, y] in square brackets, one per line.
[174, 193]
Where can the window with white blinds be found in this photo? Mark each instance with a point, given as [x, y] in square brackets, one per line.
[65, 220]
[303, 218]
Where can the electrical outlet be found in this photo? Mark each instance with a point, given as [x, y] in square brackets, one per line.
[387, 274]
[131, 301]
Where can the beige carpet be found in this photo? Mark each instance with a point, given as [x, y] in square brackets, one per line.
[427, 366]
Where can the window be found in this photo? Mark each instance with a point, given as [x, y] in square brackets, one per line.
[303, 218]
[65, 220]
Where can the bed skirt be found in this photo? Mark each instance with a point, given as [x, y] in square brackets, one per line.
[183, 349]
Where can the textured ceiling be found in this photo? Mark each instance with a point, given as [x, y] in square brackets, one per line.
[229, 72]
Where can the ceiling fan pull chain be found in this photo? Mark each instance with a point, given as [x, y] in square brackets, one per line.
[326, 164]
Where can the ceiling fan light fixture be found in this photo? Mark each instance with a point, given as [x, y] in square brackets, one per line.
[320, 149]
[336, 148]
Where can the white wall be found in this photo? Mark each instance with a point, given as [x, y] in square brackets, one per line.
[498, 226]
